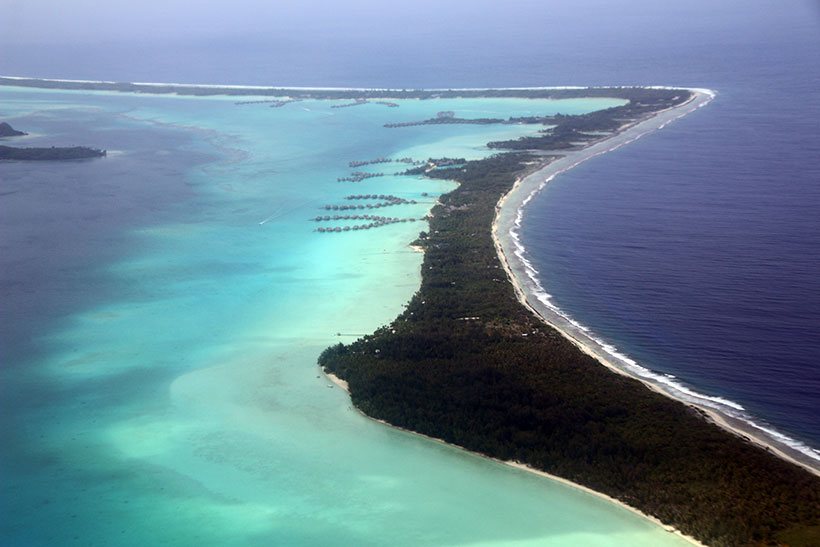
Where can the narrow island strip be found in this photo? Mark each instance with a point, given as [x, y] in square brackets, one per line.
[506, 227]
[51, 153]
[473, 363]
[476, 362]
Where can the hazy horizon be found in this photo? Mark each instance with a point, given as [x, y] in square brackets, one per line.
[361, 43]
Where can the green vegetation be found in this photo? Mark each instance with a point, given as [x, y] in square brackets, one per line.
[571, 131]
[8, 131]
[637, 94]
[42, 154]
[52, 153]
[448, 120]
[467, 363]
[580, 130]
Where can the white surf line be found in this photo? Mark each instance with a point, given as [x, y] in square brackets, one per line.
[312, 88]
[674, 389]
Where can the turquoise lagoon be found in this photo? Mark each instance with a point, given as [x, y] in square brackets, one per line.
[163, 311]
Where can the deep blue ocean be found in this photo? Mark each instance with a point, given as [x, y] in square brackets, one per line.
[695, 250]
[161, 310]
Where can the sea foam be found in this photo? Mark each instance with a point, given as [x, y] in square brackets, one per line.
[669, 383]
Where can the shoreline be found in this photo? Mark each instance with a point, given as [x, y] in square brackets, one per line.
[366, 94]
[338, 382]
[519, 271]
[534, 167]
[509, 250]
[229, 87]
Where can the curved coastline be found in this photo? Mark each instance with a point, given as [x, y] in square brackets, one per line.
[520, 466]
[229, 87]
[511, 254]
[509, 213]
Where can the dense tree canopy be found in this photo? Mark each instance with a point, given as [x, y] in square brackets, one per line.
[52, 153]
[467, 363]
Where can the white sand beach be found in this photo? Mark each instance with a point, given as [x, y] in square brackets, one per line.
[509, 212]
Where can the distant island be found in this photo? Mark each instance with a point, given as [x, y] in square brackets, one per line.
[470, 361]
[8, 131]
[50, 153]
[384, 96]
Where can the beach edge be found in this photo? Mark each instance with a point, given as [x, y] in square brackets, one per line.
[503, 229]
[343, 385]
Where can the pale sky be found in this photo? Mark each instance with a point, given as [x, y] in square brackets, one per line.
[42, 21]
[366, 41]
[84, 21]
